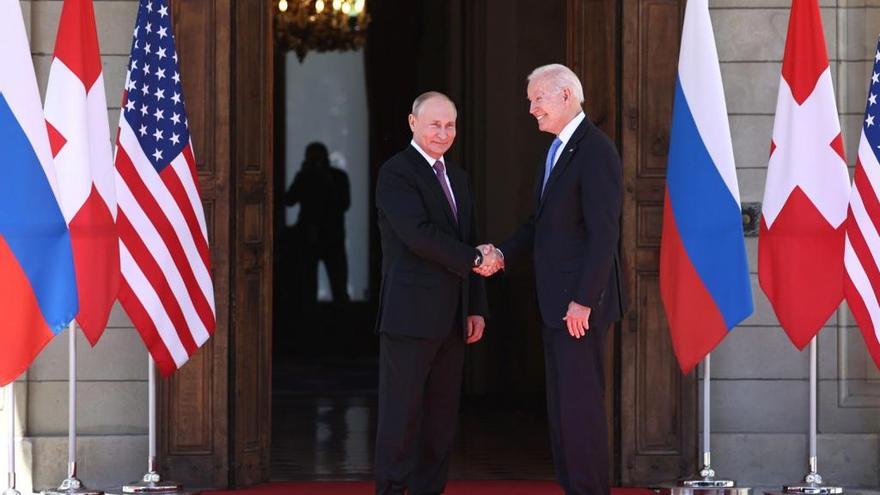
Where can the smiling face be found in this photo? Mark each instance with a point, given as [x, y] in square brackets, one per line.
[433, 127]
[551, 106]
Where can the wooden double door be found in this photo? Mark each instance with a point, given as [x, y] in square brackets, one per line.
[215, 412]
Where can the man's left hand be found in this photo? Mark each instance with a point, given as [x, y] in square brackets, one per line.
[578, 319]
[475, 325]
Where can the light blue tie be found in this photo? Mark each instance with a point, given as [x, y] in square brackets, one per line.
[548, 165]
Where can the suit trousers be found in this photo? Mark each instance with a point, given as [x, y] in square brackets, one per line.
[576, 410]
[419, 392]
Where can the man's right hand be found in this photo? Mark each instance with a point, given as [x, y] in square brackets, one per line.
[493, 261]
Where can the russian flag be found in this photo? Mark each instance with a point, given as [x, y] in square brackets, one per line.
[38, 296]
[704, 275]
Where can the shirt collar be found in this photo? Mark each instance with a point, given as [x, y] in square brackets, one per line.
[569, 128]
[430, 159]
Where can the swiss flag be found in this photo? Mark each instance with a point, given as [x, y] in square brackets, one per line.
[79, 133]
[800, 248]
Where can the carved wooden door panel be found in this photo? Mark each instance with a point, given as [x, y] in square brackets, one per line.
[192, 414]
[658, 405]
[592, 52]
[215, 412]
[252, 164]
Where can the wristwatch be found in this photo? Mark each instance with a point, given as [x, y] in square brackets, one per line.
[478, 259]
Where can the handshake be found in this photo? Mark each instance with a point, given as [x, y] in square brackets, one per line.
[493, 260]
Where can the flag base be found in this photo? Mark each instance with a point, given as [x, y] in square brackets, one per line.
[118, 490]
[72, 486]
[708, 483]
[678, 489]
[812, 489]
[152, 483]
[707, 477]
[11, 490]
[812, 484]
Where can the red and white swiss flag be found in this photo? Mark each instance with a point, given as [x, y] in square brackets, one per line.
[79, 133]
[800, 248]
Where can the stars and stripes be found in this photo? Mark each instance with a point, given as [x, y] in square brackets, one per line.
[76, 115]
[862, 250]
[800, 245]
[166, 282]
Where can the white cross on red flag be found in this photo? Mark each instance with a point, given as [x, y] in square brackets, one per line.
[79, 134]
[800, 247]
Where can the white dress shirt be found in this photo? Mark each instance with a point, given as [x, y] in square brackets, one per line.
[566, 133]
[431, 160]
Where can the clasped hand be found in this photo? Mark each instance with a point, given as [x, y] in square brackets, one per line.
[493, 260]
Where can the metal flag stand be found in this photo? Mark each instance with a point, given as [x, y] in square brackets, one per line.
[10, 405]
[72, 485]
[813, 484]
[706, 482]
[152, 482]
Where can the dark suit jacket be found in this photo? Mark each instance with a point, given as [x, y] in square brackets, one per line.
[573, 231]
[427, 283]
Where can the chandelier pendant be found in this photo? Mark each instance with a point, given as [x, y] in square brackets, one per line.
[320, 25]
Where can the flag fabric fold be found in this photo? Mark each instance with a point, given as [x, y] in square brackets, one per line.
[79, 133]
[801, 240]
[862, 248]
[704, 275]
[38, 283]
[166, 286]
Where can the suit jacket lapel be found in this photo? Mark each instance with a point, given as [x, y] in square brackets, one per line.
[424, 170]
[563, 161]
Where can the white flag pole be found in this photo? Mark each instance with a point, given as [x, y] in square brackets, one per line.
[151, 399]
[813, 483]
[152, 482]
[71, 401]
[10, 421]
[71, 485]
[706, 478]
[707, 471]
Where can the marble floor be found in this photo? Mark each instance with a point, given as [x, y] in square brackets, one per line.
[324, 416]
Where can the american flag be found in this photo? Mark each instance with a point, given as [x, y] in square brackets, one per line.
[862, 250]
[166, 284]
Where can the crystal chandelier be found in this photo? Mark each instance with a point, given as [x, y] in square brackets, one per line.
[320, 25]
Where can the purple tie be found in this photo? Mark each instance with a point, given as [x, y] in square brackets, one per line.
[440, 172]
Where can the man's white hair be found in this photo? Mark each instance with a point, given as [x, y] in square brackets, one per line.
[422, 98]
[561, 77]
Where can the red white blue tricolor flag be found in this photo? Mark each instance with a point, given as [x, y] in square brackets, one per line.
[38, 295]
[704, 274]
[79, 133]
[801, 243]
[166, 281]
[862, 249]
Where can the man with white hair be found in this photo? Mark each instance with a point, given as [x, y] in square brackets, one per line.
[572, 237]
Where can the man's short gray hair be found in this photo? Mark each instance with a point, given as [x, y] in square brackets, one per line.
[561, 77]
[422, 98]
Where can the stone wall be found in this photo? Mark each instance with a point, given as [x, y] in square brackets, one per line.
[760, 387]
[112, 387]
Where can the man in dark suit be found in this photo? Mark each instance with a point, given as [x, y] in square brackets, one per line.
[323, 193]
[431, 303]
[572, 237]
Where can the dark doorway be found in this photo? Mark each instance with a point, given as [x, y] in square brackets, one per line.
[324, 361]
[214, 414]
